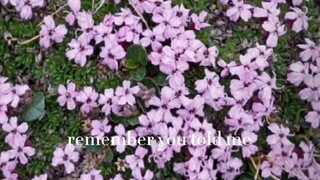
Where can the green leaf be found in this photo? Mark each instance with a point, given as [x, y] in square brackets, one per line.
[136, 54]
[36, 109]
[138, 74]
[125, 121]
[161, 79]
[109, 157]
[92, 148]
[132, 64]
[246, 176]
[133, 121]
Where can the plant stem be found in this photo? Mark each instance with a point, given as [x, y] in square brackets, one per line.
[37, 36]
[56, 12]
[137, 11]
[29, 40]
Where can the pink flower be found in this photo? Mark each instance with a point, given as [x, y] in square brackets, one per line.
[40, 177]
[6, 165]
[104, 33]
[226, 67]
[312, 91]
[117, 177]
[268, 169]
[239, 120]
[143, 6]
[126, 93]
[279, 135]
[11, 95]
[67, 95]
[121, 134]
[199, 20]
[25, 7]
[192, 107]
[75, 6]
[153, 39]
[66, 157]
[182, 13]
[239, 10]
[99, 129]
[14, 130]
[300, 19]
[210, 56]
[298, 72]
[130, 33]
[250, 148]
[313, 117]
[264, 108]
[308, 152]
[125, 17]
[108, 100]
[261, 54]
[266, 84]
[86, 22]
[111, 54]
[224, 2]
[50, 33]
[269, 9]
[168, 23]
[160, 5]
[92, 175]
[165, 104]
[88, 97]
[79, 51]
[297, 2]
[135, 160]
[275, 30]
[10, 176]
[20, 150]
[138, 176]
[310, 50]
[243, 89]
[148, 123]
[231, 168]
[3, 114]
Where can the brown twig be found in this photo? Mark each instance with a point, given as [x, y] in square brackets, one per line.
[56, 12]
[92, 5]
[37, 36]
[140, 15]
[29, 40]
[257, 167]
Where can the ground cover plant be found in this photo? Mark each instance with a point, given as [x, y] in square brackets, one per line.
[159, 69]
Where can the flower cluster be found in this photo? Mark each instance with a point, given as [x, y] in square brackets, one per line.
[117, 31]
[284, 156]
[172, 46]
[49, 33]
[269, 15]
[16, 137]
[242, 89]
[118, 101]
[306, 74]
[24, 7]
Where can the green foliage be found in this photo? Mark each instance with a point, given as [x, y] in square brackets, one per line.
[138, 74]
[195, 6]
[138, 55]
[36, 109]
[109, 157]
[137, 59]
[125, 121]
